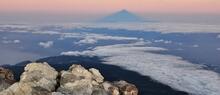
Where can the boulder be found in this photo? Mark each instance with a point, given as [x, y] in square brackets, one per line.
[96, 75]
[37, 79]
[79, 81]
[6, 74]
[110, 88]
[120, 88]
[42, 79]
[6, 78]
[126, 88]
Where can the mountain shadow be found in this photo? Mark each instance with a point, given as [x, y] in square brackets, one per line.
[122, 16]
[145, 84]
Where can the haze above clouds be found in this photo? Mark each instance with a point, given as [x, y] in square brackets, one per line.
[43, 11]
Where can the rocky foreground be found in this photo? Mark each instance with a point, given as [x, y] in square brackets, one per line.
[42, 79]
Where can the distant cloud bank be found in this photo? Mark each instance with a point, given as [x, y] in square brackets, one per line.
[170, 70]
[11, 41]
[144, 27]
[159, 27]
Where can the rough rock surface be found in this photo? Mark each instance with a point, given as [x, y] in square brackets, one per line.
[126, 88]
[110, 88]
[42, 79]
[37, 79]
[79, 81]
[6, 78]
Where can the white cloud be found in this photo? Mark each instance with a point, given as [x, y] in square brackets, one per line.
[146, 26]
[94, 38]
[85, 38]
[47, 44]
[11, 41]
[77, 53]
[46, 32]
[163, 41]
[170, 70]
[87, 41]
[17, 28]
[218, 49]
[158, 41]
[167, 42]
[195, 46]
[16, 41]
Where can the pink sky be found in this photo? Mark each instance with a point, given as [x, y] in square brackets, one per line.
[90, 10]
[106, 6]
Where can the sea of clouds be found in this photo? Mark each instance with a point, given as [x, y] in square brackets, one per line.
[138, 56]
[84, 38]
[162, 27]
[168, 69]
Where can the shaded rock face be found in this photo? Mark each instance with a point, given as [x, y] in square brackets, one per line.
[126, 88]
[6, 74]
[6, 78]
[42, 79]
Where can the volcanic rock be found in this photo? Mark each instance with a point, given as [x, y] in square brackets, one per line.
[6, 78]
[37, 79]
[42, 79]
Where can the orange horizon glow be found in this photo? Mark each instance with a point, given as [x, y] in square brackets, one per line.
[106, 6]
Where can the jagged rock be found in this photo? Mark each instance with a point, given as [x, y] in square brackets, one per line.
[79, 81]
[96, 75]
[126, 88]
[6, 78]
[6, 74]
[120, 88]
[111, 89]
[42, 79]
[38, 79]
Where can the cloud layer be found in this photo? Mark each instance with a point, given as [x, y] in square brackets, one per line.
[159, 27]
[162, 27]
[170, 70]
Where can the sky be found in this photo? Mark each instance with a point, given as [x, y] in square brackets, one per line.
[92, 9]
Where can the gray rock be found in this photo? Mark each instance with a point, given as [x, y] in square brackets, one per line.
[126, 88]
[99, 91]
[56, 93]
[96, 75]
[110, 88]
[38, 79]
[42, 79]
[79, 81]
[4, 84]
